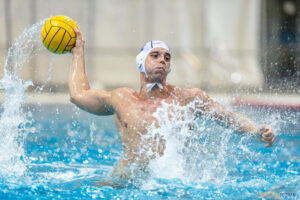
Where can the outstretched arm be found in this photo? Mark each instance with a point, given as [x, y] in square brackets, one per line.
[94, 101]
[233, 120]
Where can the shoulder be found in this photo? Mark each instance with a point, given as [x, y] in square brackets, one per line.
[190, 94]
[122, 92]
[177, 91]
[121, 97]
[196, 93]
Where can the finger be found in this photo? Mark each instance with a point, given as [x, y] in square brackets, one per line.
[81, 36]
[267, 134]
[78, 34]
[271, 143]
[265, 140]
[268, 139]
[76, 30]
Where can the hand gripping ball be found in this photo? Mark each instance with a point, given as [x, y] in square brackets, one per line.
[58, 34]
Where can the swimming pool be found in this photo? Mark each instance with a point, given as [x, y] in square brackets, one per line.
[66, 150]
[50, 151]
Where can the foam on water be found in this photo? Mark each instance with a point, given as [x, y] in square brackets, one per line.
[15, 123]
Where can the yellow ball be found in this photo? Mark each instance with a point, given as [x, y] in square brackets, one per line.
[58, 34]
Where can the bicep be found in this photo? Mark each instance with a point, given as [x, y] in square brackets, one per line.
[94, 101]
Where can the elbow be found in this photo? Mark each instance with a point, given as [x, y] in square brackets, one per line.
[77, 97]
[73, 99]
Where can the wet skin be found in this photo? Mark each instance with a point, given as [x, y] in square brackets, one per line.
[133, 110]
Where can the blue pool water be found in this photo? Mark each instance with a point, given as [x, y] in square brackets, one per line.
[66, 150]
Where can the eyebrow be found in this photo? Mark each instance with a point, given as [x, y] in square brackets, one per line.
[153, 52]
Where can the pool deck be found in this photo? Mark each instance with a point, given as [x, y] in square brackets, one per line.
[284, 101]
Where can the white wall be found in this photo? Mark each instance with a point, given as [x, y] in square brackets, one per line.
[214, 43]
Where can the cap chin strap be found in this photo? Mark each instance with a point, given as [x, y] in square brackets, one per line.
[151, 85]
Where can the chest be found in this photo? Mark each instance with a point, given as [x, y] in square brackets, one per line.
[138, 115]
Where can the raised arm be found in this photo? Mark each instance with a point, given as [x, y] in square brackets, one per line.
[94, 101]
[235, 121]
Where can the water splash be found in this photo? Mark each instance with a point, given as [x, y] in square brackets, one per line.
[14, 122]
[193, 153]
[200, 151]
[40, 88]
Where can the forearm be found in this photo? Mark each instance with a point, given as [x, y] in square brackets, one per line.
[232, 120]
[77, 79]
[94, 101]
[242, 124]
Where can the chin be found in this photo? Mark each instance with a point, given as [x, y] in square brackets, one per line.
[156, 77]
[159, 78]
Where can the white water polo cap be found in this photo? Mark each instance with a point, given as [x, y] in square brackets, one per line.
[141, 57]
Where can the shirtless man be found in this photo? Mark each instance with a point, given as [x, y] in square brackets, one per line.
[133, 110]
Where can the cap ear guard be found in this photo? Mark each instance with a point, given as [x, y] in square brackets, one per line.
[140, 62]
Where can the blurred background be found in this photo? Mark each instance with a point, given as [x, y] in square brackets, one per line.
[216, 45]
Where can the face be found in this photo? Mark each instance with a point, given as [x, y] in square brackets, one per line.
[157, 64]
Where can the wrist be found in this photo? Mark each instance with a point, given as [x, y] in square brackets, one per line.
[78, 51]
[258, 133]
[255, 131]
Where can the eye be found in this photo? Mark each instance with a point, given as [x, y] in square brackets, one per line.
[154, 55]
[167, 58]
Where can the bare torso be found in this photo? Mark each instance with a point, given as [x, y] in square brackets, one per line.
[134, 116]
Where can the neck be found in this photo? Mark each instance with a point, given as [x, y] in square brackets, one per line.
[155, 92]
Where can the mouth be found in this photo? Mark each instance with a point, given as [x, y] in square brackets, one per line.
[160, 69]
[159, 72]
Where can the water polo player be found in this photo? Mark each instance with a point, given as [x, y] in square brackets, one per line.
[133, 110]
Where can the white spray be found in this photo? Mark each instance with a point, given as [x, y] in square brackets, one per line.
[194, 152]
[14, 122]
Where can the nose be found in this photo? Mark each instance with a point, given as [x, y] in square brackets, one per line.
[162, 59]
